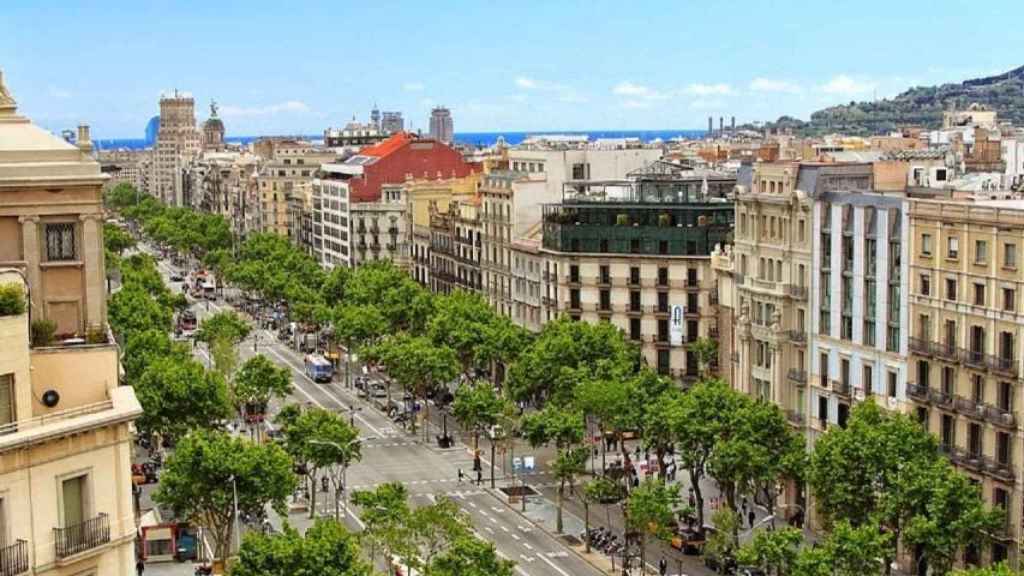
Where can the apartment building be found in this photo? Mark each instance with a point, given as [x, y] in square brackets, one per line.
[177, 143]
[636, 253]
[455, 247]
[65, 423]
[288, 171]
[965, 346]
[763, 287]
[330, 199]
[425, 198]
[379, 229]
[527, 280]
[859, 313]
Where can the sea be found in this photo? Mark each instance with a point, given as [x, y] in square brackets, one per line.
[477, 139]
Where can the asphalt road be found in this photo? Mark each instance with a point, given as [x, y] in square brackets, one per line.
[390, 454]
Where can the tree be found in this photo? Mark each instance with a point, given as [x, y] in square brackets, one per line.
[460, 322]
[316, 438]
[471, 556]
[131, 309]
[477, 408]
[847, 551]
[564, 428]
[567, 353]
[706, 351]
[357, 326]
[178, 395]
[1000, 569]
[143, 348]
[117, 239]
[418, 365]
[258, 381]
[649, 512]
[699, 418]
[721, 544]
[883, 470]
[385, 514]
[208, 471]
[600, 490]
[224, 356]
[327, 549]
[223, 325]
[502, 344]
[435, 529]
[774, 551]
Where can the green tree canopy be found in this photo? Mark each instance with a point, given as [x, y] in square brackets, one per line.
[477, 408]
[178, 395]
[208, 470]
[259, 380]
[326, 549]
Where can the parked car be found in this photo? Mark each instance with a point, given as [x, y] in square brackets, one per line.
[177, 277]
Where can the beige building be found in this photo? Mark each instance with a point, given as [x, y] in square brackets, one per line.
[455, 247]
[177, 143]
[425, 198]
[379, 230]
[65, 423]
[289, 169]
[965, 346]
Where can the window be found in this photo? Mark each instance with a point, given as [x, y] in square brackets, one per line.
[801, 229]
[842, 414]
[893, 378]
[634, 275]
[980, 252]
[869, 381]
[60, 242]
[606, 300]
[926, 285]
[574, 298]
[662, 330]
[574, 273]
[6, 399]
[926, 244]
[664, 364]
[662, 301]
[606, 276]
[953, 247]
[823, 410]
[634, 301]
[823, 371]
[1010, 255]
[951, 289]
[1009, 299]
[73, 501]
[634, 329]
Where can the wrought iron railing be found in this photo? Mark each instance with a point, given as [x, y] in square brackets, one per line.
[14, 558]
[83, 536]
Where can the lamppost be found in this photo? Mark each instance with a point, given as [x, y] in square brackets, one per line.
[234, 497]
[343, 448]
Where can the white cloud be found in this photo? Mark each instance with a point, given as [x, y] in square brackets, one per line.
[844, 85]
[709, 89]
[573, 98]
[413, 86]
[294, 106]
[638, 91]
[527, 83]
[517, 97]
[778, 86]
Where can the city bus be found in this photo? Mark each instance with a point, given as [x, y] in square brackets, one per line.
[318, 368]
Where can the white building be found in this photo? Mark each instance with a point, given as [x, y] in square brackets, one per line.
[331, 242]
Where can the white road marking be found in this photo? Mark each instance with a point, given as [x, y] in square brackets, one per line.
[553, 565]
[527, 546]
[528, 558]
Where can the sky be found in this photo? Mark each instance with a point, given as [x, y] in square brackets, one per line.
[298, 67]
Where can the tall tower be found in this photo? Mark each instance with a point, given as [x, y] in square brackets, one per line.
[375, 117]
[177, 143]
[711, 126]
[442, 127]
[213, 130]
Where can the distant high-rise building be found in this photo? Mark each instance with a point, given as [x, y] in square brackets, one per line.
[441, 126]
[711, 127]
[177, 142]
[392, 122]
[375, 117]
[152, 128]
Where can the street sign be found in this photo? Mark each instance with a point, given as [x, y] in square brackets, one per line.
[517, 464]
[528, 463]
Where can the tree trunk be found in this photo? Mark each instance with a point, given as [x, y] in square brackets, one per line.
[586, 525]
[312, 495]
[426, 418]
[662, 467]
[698, 497]
[558, 516]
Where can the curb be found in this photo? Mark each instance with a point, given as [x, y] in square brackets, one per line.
[504, 500]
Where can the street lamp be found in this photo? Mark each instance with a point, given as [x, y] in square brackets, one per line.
[343, 448]
[234, 497]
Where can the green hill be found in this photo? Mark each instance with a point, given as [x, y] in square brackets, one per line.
[919, 106]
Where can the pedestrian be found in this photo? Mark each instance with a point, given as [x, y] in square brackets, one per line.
[479, 477]
[693, 500]
[750, 517]
[663, 567]
[461, 474]
[744, 505]
[140, 567]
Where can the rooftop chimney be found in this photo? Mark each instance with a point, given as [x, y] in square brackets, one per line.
[84, 143]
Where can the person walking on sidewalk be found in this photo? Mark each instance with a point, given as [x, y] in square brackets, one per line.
[461, 475]
[140, 567]
[663, 567]
[751, 517]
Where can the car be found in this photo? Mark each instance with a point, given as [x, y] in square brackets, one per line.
[177, 277]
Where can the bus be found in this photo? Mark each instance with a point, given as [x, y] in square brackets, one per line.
[318, 368]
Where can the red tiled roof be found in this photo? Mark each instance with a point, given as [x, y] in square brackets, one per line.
[388, 146]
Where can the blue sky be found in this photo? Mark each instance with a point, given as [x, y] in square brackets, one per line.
[297, 67]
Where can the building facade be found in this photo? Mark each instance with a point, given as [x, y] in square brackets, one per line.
[65, 423]
[442, 127]
[965, 347]
[177, 143]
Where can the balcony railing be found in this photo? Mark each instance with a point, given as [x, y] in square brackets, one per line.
[798, 292]
[940, 398]
[969, 407]
[945, 351]
[920, 345]
[918, 392]
[842, 388]
[973, 358]
[1000, 417]
[1003, 365]
[81, 537]
[798, 336]
[798, 375]
[14, 559]
[795, 417]
[1002, 470]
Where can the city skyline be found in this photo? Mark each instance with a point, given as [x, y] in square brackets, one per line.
[615, 67]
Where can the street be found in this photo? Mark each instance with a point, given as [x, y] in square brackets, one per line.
[391, 455]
